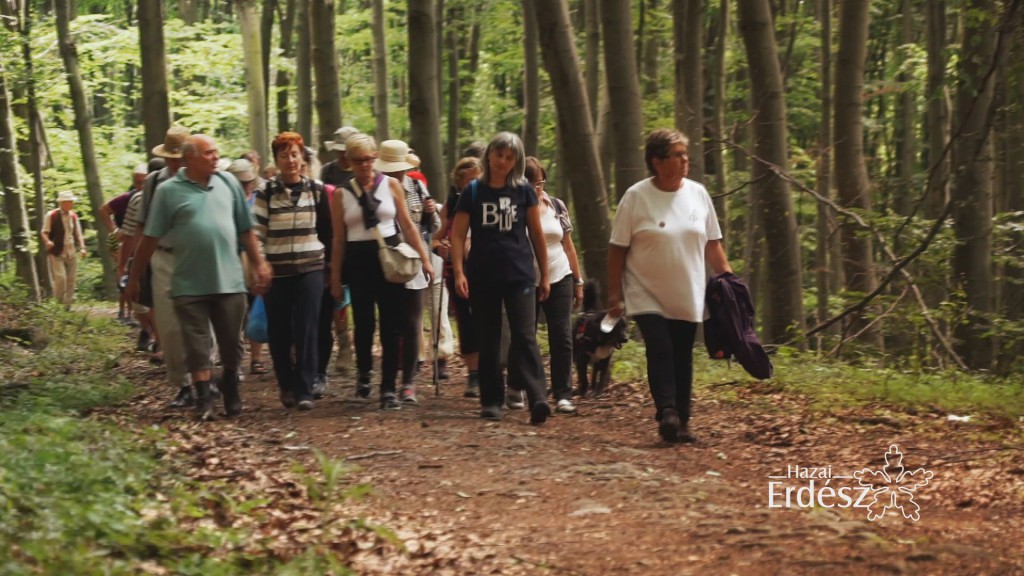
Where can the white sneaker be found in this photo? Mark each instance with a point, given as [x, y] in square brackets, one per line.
[565, 406]
[514, 399]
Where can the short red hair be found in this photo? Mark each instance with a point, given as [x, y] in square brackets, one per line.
[284, 141]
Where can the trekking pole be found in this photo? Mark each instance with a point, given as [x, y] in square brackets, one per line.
[436, 329]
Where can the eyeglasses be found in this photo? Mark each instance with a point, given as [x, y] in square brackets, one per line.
[540, 183]
[363, 160]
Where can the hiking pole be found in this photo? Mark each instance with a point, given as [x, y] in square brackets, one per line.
[436, 329]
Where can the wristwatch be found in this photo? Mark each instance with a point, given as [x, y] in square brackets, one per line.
[578, 281]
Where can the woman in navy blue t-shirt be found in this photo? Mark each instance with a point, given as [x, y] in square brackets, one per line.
[499, 209]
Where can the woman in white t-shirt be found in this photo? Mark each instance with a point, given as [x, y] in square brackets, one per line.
[664, 234]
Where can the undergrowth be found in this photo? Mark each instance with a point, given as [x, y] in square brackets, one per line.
[83, 496]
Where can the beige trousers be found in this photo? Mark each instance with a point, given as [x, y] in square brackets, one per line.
[64, 272]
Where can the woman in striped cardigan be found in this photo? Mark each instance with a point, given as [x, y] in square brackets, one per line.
[293, 223]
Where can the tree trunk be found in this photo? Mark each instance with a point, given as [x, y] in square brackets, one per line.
[531, 79]
[325, 66]
[650, 55]
[1013, 168]
[906, 115]
[266, 40]
[718, 151]
[972, 184]
[424, 109]
[304, 71]
[823, 177]
[624, 93]
[852, 181]
[454, 92]
[692, 81]
[938, 113]
[282, 81]
[257, 99]
[83, 124]
[37, 155]
[558, 49]
[14, 199]
[380, 72]
[155, 103]
[784, 311]
[187, 9]
[591, 55]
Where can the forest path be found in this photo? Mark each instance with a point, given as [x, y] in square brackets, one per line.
[598, 492]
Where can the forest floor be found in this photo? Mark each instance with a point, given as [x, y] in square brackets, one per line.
[437, 490]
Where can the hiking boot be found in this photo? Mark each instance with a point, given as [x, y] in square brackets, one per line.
[287, 398]
[232, 400]
[363, 387]
[442, 369]
[539, 413]
[305, 405]
[143, 343]
[684, 435]
[184, 399]
[204, 400]
[514, 399]
[491, 413]
[669, 426]
[565, 406]
[390, 402]
[409, 395]
[319, 386]
[472, 386]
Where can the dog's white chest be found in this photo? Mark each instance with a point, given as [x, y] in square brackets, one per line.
[601, 352]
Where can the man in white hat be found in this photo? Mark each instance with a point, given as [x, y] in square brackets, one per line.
[60, 234]
[157, 292]
[337, 174]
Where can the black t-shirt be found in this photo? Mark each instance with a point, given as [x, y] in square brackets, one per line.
[501, 251]
[334, 174]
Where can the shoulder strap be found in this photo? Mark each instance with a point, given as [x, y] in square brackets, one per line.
[560, 207]
[472, 189]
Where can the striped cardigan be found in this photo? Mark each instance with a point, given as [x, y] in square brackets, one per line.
[295, 235]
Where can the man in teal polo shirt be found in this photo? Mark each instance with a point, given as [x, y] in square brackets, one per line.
[203, 211]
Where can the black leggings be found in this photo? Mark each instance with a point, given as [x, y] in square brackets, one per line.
[468, 343]
[372, 293]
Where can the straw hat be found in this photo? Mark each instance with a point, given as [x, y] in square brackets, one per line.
[413, 159]
[66, 196]
[223, 163]
[243, 170]
[393, 156]
[174, 141]
[340, 136]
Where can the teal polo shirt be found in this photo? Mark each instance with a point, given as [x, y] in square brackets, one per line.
[203, 224]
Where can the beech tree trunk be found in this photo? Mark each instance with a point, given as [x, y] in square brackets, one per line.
[852, 181]
[380, 72]
[325, 66]
[583, 169]
[304, 71]
[424, 108]
[718, 78]
[156, 117]
[282, 80]
[531, 79]
[591, 55]
[14, 199]
[454, 91]
[251, 48]
[906, 116]
[266, 40]
[784, 314]
[624, 94]
[692, 81]
[83, 124]
[823, 176]
[652, 46]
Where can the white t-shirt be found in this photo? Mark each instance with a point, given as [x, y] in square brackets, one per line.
[355, 229]
[558, 260]
[666, 233]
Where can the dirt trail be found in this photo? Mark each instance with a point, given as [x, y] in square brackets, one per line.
[599, 493]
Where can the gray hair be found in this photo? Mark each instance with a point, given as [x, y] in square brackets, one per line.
[506, 140]
[360, 143]
[658, 144]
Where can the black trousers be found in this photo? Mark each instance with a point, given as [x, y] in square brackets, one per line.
[520, 302]
[411, 332]
[558, 313]
[325, 333]
[669, 346]
[468, 343]
[371, 295]
[293, 309]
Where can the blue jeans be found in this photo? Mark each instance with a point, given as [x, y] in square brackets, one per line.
[293, 310]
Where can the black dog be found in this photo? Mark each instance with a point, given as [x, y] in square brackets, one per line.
[592, 347]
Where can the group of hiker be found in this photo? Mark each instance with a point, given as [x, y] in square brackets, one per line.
[202, 242]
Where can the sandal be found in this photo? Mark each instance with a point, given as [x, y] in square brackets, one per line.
[257, 367]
